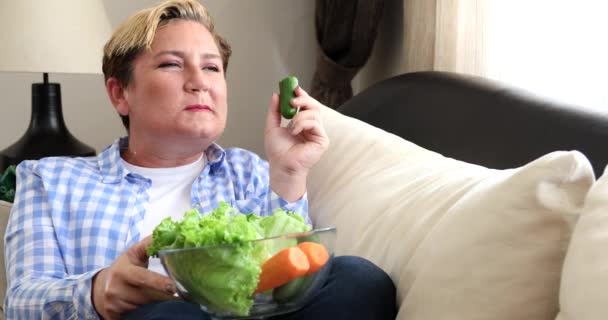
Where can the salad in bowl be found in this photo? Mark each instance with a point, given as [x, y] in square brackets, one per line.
[241, 266]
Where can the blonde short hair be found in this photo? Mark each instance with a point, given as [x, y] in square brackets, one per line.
[135, 35]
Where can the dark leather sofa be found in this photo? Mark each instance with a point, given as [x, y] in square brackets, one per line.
[480, 121]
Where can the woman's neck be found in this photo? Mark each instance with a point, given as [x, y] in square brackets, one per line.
[162, 155]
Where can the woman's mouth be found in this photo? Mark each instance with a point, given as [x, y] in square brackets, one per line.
[198, 107]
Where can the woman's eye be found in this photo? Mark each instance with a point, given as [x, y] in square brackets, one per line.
[168, 65]
[212, 68]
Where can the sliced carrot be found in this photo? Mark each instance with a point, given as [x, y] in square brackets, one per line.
[316, 253]
[286, 265]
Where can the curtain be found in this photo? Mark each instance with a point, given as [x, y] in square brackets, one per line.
[444, 35]
[346, 30]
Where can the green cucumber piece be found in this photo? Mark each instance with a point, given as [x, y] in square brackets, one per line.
[287, 89]
[292, 290]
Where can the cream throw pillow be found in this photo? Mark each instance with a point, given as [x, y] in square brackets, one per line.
[584, 287]
[460, 241]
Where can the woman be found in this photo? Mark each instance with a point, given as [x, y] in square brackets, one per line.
[76, 239]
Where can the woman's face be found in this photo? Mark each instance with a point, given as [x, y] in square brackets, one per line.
[178, 90]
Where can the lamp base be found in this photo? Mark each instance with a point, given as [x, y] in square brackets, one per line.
[37, 145]
[47, 134]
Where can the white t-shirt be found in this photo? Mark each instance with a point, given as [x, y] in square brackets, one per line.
[169, 196]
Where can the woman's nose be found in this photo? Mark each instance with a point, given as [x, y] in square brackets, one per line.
[196, 81]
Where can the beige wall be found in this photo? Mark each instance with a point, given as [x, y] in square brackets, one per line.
[270, 39]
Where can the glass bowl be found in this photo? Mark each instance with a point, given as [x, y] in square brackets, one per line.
[223, 279]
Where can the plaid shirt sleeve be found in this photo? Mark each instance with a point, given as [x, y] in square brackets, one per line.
[250, 173]
[39, 285]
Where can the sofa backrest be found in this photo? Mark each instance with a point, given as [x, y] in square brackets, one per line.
[480, 121]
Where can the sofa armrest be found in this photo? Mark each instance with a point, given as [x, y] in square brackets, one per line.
[460, 241]
[5, 209]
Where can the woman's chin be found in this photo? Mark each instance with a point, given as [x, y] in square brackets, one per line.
[206, 136]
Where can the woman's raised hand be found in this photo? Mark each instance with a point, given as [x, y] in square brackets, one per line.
[293, 151]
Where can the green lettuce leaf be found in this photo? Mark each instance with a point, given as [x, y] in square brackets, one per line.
[279, 223]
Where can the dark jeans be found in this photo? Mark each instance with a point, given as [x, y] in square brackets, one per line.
[355, 289]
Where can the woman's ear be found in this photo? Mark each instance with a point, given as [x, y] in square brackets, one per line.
[118, 96]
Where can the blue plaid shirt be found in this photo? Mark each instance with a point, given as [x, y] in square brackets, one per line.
[74, 216]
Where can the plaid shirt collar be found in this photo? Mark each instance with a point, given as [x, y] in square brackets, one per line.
[113, 172]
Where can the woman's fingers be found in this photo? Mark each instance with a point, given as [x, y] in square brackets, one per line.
[113, 297]
[127, 283]
[137, 253]
[116, 307]
[302, 102]
[305, 102]
[308, 120]
[150, 280]
[135, 272]
[122, 298]
[147, 286]
[313, 130]
[138, 285]
[308, 115]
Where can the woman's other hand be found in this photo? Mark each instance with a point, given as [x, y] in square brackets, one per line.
[128, 284]
[294, 150]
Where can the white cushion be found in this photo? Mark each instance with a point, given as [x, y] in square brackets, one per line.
[460, 241]
[584, 286]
